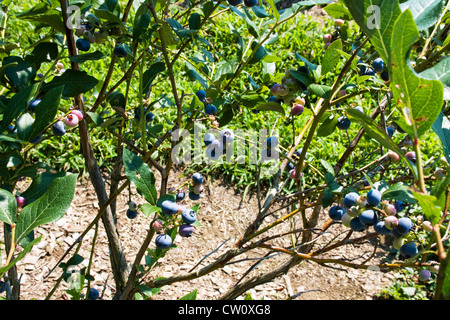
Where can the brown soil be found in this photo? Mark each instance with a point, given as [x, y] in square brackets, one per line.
[223, 215]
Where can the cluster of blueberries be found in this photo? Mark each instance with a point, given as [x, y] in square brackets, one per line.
[247, 3]
[90, 32]
[359, 212]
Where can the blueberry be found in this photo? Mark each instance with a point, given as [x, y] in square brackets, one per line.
[149, 117]
[424, 275]
[185, 230]
[21, 202]
[357, 225]
[404, 225]
[2, 286]
[193, 195]
[201, 94]
[368, 217]
[378, 65]
[384, 75]
[227, 136]
[361, 68]
[33, 103]
[131, 214]
[169, 207]
[399, 205]
[350, 199]
[197, 178]
[369, 72]
[163, 241]
[188, 216]
[250, 3]
[380, 228]
[211, 109]
[120, 52]
[209, 138]
[180, 196]
[390, 131]
[83, 44]
[59, 129]
[336, 212]
[234, 2]
[93, 294]
[36, 139]
[343, 123]
[373, 197]
[409, 250]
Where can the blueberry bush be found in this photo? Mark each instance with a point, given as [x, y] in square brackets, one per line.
[354, 115]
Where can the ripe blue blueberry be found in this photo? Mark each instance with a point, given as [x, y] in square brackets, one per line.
[163, 241]
[169, 207]
[343, 123]
[201, 94]
[350, 199]
[336, 213]
[36, 139]
[185, 230]
[120, 52]
[368, 217]
[384, 75]
[378, 65]
[83, 44]
[180, 195]
[93, 294]
[193, 195]
[2, 286]
[409, 250]
[390, 131]
[197, 178]
[211, 109]
[209, 138]
[399, 205]
[369, 72]
[250, 3]
[404, 225]
[131, 214]
[149, 117]
[373, 197]
[33, 103]
[380, 228]
[188, 216]
[357, 225]
[59, 129]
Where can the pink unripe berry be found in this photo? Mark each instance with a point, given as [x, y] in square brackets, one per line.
[361, 201]
[71, 120]
[391, 222]
[157, 226]
[393, 156]
[427, 226]
[327, 45]
[338, 22]
[21, 201]
[439, 173]
[342, 93]
[411, 155]
[198, 188]
[297, 110]
[327, 38]
[390, 209]
[78, 113]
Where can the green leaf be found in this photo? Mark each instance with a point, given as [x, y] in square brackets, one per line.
[441, 72]
[91, 56]
[40, 184]
[379, 135]
[140, 174]
[20, 256]
[327, 127]
[45, 112]
[338, 11]
[190, 296]
[376, 18]
[430, 206]
[399, 191]
[16, 105]
[331, 57]
[419, 99]
[8, 207]
[23, 125]
[21, 74]
[150, 74]
[425, 12]
[320, 90]
[42, 52]
[275, 12]
[148, 209]
[75, 82]
[271, 106]
[51, 206]
[442, 128]
[194, 21]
